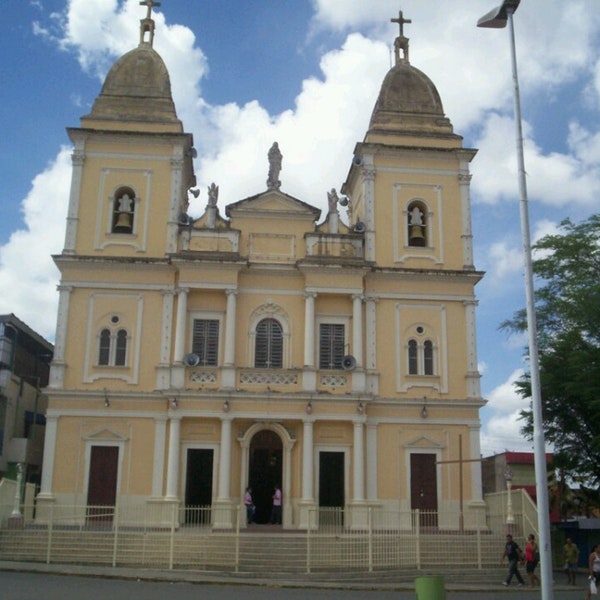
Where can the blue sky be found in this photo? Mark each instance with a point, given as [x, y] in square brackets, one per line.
[306, 73]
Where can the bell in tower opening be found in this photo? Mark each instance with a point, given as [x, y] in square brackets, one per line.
[416, 226]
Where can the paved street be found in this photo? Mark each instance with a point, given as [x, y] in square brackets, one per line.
[33, 586]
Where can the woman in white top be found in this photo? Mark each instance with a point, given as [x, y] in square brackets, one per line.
[594, 567]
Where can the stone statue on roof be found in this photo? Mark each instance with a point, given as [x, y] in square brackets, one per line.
[275, 158]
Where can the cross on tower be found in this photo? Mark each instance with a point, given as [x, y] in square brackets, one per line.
[401, 20]
[147, 24]
[150, 4]
[401, 42]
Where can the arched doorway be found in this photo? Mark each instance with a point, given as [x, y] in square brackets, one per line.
[264, 471]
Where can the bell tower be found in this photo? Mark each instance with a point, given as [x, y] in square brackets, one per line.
[132, 162]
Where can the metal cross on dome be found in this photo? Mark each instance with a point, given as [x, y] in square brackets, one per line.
[401, 20]
[150, 4]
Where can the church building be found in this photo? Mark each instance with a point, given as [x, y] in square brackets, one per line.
[265, 344]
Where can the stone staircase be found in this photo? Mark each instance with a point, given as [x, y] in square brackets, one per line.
[262, 552]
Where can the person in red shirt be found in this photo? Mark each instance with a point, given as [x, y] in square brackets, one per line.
[532, 557]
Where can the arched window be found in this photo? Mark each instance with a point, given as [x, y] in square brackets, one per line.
[104, 348]
[112, 348]
[123, 210]
[416, 224]
[428, 358]
[421, 358]
[121, 348]
[268, 352]
[413, 361]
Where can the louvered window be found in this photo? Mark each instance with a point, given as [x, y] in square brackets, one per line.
[205, 341]
[268, 352]
[331, 345]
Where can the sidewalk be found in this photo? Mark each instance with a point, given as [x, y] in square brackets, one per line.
[293, 581]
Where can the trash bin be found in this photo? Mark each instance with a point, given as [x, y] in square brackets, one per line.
[430, 588]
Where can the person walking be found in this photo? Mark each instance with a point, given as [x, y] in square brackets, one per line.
[532, 558]
[593, 569]
[514, 554]
[571, 560]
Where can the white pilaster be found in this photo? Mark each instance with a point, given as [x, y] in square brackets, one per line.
[173, 466]
[178, 369]
[158, 465]
[358, 376]
[357, 329]
[372, 491]
[180, 327]
[176, 198]
[228, 370]
[307, 502]
[49, 456]
[223, 506]
[358, 461]
[372, 383]
[77, 160]
[225, 460]
[57, 368]
[309, 376]
[464, 180]
[368, 173]
[162, 371]
[473, 376]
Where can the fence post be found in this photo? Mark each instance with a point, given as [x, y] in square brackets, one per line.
[308, 540]
[417, 526]
[115, 535]
[172, 537]
[479, 555]
[237, 537]
[50, 525]
[370, 531]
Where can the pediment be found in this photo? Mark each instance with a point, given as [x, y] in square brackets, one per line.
[272, 203]
[424, 441]
[107, 435]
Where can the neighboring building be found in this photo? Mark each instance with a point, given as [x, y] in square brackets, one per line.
[518, 468]
[24, 368]
[267, 346]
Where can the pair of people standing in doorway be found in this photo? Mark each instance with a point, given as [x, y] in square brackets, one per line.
[251, 508]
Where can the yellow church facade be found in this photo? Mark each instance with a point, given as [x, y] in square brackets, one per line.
[265, 344]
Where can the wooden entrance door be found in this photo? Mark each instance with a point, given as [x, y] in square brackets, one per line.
[331, 488]
[423, 487]
[199, 485]
[102, 486]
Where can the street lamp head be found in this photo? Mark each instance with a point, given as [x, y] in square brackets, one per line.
[497, 17]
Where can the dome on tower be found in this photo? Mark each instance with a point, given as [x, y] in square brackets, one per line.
[137, 89]
[408, 100]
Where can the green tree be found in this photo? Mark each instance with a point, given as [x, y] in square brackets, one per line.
[567, 267]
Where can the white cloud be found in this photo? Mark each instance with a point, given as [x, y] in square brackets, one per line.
[501, 430]
[316, 137]
[28, 277]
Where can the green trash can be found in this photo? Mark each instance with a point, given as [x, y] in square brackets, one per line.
[430, 588]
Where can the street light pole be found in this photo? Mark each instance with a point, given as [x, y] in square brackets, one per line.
[498, 18]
